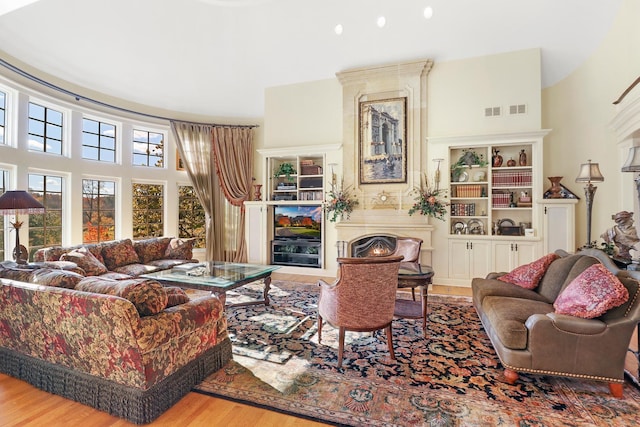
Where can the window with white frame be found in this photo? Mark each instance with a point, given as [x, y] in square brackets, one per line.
[45, 129]
[4, 183]
[98, 210]
[98, 141]
[148, 148]
[191, 216]
[46, 229]
[147, 206]
[3, 117]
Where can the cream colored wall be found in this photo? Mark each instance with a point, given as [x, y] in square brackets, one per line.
[579, 110]
[459, 91]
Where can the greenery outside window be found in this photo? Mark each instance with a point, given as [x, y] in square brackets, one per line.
[148, 208]
[191, 216]
[98, 211]
[46, 229]
[45, 129]
[148, 148]
[98, 141]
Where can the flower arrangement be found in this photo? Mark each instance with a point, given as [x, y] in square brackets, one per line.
[339, 203]
[427, 202]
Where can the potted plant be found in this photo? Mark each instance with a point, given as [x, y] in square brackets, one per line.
[339, 203]
[468, 158]
[285, 169]
[427, 202]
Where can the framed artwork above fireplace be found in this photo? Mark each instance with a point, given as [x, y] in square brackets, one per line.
[383, 141]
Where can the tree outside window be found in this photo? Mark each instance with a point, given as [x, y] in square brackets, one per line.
[148, 148]
[98, 210]
[46, 229]
[148, 207]
[191, 216]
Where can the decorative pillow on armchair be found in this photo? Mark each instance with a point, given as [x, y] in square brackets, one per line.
[528, 276]
[119, 253]
[86, 261]
[591, 294]
[180, 249]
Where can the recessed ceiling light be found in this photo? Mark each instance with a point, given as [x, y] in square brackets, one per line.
[381, 21]
[338, 29]
[428, 12]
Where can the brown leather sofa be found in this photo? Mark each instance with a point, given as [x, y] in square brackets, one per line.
[529, 336]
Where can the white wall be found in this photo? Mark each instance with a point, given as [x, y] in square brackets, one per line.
[579, 110]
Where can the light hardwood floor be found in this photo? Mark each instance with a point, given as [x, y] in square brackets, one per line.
[24, 405]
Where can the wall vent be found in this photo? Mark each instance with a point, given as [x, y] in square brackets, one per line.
[492, 111]
[518, 109]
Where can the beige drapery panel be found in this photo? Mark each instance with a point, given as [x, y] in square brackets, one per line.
[233, 154]
[224, 221]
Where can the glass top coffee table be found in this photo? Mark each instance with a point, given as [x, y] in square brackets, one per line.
[217, 277]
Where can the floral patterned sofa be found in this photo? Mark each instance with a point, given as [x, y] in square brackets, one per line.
[121, 259]
[128, 347]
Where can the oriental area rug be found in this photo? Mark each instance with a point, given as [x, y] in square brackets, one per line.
[451, 377]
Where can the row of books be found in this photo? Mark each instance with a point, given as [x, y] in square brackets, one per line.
[512, 179]
[501, 200]
[463, 209]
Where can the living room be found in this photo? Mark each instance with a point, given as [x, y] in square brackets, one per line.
[577, 111]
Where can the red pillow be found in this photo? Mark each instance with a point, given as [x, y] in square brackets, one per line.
[591, 294]
[528, 276]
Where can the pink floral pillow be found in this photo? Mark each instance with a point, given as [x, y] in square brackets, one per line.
[591, 294]
[86, 261]
[528, 276]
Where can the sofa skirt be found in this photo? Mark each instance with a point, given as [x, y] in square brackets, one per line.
[133, 404]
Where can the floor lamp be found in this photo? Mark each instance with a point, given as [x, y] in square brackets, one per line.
[589, 172]
[14, 203]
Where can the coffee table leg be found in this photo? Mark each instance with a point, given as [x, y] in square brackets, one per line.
[267, 286]
[424, 294]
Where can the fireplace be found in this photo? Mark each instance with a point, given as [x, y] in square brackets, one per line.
[377, 245]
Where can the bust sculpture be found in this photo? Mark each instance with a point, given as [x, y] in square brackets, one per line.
[623, 234]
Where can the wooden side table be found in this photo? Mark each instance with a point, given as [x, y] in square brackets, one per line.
[414, 275]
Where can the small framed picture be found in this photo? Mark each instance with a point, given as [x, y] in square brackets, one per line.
[179, 163]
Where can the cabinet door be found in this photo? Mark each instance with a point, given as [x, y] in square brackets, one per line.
[559, 219]
[459, 259]
[255, 233]
[480, 258]
[502, 256]
[525, 253]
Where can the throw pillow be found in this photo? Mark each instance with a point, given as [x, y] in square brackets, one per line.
[86, 261]
[591, 293]
[56, 277]
[151, 249]
[180, 249]
[176, 296]
[148, 296]
[119, 253]
[528, 276]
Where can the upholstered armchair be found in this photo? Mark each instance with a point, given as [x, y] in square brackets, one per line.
[361, 299]
[409, 248]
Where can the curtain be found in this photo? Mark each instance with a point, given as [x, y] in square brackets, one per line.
[233, 155]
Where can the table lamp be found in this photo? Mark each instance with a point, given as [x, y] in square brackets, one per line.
[589, 172]
[14, 203]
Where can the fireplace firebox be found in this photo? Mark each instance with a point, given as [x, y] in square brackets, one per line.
[378, 245]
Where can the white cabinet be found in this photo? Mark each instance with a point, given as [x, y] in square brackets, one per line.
[469, 258]
[256, 232]
[508, 255]
[559, 224]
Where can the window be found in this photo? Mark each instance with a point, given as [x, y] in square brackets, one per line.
[191, 216]
[98, 141]
[45, 129]
[98, 210]
[45, 229]
[148, 148]
[3, 117]
[148, 208]
[4, 182]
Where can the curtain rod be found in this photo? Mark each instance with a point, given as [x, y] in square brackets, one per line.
[79, 97]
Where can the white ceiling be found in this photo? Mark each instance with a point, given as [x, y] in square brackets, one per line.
[216, 57]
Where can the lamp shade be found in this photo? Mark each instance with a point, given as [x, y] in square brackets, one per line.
[19, 202]
[589, 172]
[633, 160]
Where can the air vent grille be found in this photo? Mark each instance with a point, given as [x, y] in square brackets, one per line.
[518, 109]
[492, 111]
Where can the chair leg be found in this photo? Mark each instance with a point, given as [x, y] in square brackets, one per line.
[340, 346]
[319, 328]
[616, 390]
[390, 341]
[510, 376]
[413, 293]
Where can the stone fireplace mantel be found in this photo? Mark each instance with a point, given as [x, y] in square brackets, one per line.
[394, 222]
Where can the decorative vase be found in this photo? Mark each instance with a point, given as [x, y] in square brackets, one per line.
[497, 158]
[522, 161]
[555, 187]
[257, 194]
[511, 162]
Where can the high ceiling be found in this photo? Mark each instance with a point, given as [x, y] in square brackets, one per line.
[216, 57]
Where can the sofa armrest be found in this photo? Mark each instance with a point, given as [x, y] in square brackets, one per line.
[576, 325]
[495, 275]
